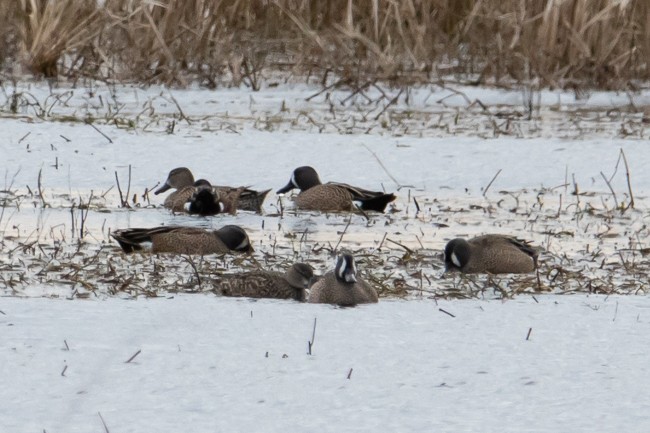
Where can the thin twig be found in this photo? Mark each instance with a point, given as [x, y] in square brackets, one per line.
[417, 206]
[609, 185]
[407, 249]
[180, 110]
[362, 212]
[629, 185]
[325, 89]
[381, 244]
[84, 215]
[124, 202]
[310, 343]
[490, 184]
[128, 186]
[391, 102]
[103, 422]
[382, 165]
[446, 312]
[133, 357]
[342, 234]
[196, 272]
[105, 136]
[40, 189]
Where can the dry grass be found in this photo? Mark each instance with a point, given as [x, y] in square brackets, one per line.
[565, 43]
[588, 246]
[48, 30]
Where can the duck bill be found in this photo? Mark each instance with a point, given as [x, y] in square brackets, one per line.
[286, 188]
[163, 188]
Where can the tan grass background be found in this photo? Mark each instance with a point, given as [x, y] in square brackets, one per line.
[556, 43]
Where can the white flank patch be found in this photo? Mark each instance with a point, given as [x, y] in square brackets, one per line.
[186, 206]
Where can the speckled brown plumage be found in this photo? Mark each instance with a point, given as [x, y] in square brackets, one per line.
[342, 286]
[176, 200]
[325, 198]
[332, 196]
[247, 199]
[182, 180]
[184, 240]
[494, 254]
[267, 284]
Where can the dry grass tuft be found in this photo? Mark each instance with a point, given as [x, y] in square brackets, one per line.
[569, 43]
[50, 29]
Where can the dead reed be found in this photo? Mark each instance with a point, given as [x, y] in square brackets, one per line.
[570, 43]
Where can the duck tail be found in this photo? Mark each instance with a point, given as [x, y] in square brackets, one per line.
[377, 203]
[130, 239]
[252, 200]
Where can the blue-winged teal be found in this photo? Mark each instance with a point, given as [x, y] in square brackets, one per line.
[184, 240]
[494, 254]
[342, 286]
[182, 180]
[332, 196]
[267, 284]
[207, 201]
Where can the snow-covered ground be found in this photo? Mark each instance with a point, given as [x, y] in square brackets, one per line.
[203, 363]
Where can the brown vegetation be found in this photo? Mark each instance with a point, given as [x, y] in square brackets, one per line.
[557, 43]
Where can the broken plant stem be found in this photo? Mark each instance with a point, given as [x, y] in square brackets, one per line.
[490, 184]
[609, 185]
[342, 234]
[310, 343]
[627, 177]
[40, 189]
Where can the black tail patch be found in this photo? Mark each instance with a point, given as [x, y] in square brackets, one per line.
[377, 203]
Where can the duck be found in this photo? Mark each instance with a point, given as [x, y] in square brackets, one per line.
[185, 240]
[332, 196]
[342, 286]
[206, 201]
[291, 284]
[182, 180]
[494, 254]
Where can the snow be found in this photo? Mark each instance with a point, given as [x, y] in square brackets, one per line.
[436, 143]
[438, 166]
[202, 363]
[210, 364]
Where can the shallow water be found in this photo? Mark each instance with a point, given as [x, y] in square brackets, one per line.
[450, 182]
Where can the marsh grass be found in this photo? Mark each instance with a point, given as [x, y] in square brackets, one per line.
[368, 110]
[583, 251]
[570, 44]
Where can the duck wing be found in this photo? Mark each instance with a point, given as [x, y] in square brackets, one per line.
[370, 200]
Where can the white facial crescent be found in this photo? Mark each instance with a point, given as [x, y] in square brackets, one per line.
[455, 260]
